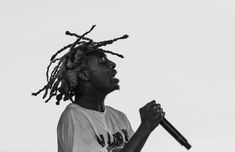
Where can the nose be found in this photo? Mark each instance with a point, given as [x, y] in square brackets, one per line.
[112, 64]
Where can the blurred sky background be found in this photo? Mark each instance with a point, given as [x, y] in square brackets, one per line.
[180, 52]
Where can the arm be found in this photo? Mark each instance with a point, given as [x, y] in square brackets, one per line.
[137, 141]
[151, 115]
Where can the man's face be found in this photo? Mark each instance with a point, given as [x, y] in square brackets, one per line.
[102, 73]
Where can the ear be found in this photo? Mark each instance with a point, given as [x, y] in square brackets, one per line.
[83, 75]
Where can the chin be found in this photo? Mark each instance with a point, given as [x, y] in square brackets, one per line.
[115, 87]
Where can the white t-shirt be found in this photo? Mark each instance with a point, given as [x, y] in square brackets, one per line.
[84, 130]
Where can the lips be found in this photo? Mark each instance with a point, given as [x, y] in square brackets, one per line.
[115, 80]
[113, 73]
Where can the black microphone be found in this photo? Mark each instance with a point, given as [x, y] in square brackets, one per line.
[171, 129]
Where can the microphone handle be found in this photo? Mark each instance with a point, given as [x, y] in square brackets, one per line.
[170, 128]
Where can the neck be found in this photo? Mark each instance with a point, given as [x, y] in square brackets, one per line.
[91, 100]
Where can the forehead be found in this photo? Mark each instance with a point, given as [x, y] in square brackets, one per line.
[93, 59]
[96, 55]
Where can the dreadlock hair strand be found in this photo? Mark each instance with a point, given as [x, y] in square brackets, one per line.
[78, 36]
[48, 67]
[104, 43]
[62, 81]
[39, 91]
[59, 51]
[75, 43]
[110, 52]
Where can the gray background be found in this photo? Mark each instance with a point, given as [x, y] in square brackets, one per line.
[180, 52]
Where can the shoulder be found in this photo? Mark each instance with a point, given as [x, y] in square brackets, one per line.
[70, 110]
[71, 113]
[111, 110]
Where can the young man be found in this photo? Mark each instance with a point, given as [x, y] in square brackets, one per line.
[86, 76]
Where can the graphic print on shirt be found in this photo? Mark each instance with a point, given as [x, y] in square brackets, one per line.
[117, 143]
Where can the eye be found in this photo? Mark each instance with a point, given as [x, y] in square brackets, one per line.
[103, 60]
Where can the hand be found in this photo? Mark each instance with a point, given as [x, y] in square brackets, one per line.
[151, 115]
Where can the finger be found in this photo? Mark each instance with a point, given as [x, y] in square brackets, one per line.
[148, 105]
[156, 106]
[163, 114]
[158, 117]
[159, 113]
[151, 103]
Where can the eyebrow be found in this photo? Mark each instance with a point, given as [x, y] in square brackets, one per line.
[100, 54]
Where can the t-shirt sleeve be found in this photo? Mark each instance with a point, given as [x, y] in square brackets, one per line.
[129, 128]
[65, 133]
[75, 135]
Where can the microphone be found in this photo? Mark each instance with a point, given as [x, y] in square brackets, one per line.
[171, 129]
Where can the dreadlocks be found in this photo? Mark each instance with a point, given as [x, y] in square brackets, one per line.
[62, 80]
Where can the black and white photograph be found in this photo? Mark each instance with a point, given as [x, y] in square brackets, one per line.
[117, 76]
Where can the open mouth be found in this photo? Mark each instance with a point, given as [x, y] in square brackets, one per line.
[113, 74]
